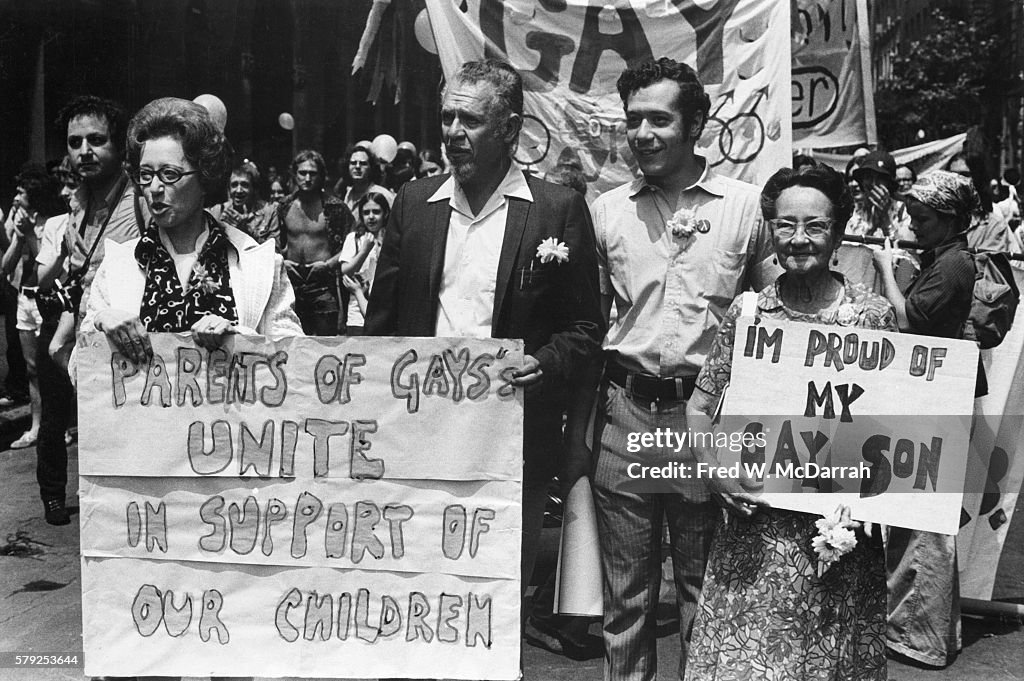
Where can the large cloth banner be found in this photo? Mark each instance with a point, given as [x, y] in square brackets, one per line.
[995, 464]
[833, 97]
[571, 53]
[828, 415]
[302, 507]
[923, 158]
[996, 470]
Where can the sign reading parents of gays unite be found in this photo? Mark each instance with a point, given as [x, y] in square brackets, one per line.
[302, 507]
[571, 53]
[878, 420]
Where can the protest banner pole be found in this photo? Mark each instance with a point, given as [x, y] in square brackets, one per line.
[976, 606]
[912, 245]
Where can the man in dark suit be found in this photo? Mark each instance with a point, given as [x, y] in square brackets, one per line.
[489, 252]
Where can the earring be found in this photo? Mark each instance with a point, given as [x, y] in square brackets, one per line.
[775, 260]
[835, 258]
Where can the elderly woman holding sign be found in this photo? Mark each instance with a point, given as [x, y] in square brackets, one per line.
[768, 608]
[187, 272]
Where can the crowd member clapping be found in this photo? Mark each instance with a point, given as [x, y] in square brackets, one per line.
[762, 584]
[359, 256]
[187, 272]
[244, 209]
[37, 200]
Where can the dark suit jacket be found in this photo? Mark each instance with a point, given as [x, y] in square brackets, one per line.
[555, 310]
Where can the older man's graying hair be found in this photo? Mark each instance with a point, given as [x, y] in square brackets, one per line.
[202, 142]
[507, 82]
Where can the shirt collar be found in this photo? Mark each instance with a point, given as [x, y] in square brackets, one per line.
[709, 181]
[108, 201]
[512, 185]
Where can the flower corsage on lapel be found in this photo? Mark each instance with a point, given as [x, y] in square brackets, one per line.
[684, 223]
[203, 279]
[549, 251]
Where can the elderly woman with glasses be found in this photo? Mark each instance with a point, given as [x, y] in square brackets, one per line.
[765, 611]
[187, 272]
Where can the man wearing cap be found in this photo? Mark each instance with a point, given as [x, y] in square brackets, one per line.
[881, 213]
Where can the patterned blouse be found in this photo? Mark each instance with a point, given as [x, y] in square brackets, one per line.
[859, 307]
[166, 307]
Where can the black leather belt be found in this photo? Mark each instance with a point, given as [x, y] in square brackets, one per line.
[29, 291]
[650, 388]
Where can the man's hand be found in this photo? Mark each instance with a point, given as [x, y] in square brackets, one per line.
[578, 464]
[126, 332]
[528, 374]
[294, 270]
[320, 271]
[209, 332]
[351, 283]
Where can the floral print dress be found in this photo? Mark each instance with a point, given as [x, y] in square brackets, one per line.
[764, 613]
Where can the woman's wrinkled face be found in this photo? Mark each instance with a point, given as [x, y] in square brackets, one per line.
[372, 214]
[802, 230]
[930, 227]
[171, 204]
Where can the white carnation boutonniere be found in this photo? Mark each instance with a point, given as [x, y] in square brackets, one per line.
[836, 537]
[846, 315]
[552, 250]
[682, 224]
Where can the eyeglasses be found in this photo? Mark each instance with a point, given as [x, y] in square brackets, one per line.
[168, 176]
[814, 227]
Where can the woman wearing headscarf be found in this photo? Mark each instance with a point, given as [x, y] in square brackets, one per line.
[923, 586]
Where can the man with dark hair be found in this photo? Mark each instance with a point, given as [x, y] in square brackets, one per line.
[675, 246]
[104, 207]
[460, 259]
[313, 229]
[360, 176]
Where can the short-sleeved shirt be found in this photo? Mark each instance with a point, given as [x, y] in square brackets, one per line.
[349, 251]
[123, 225]
[670, 293]
[939, 301]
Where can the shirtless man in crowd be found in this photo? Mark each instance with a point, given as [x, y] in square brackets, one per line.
[312, 233]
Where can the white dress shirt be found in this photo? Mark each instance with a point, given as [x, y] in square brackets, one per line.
[473, 248]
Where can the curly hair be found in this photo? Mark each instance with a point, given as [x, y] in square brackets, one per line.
[827, 181]
[202, 142]
[691, 100]
[87, 105]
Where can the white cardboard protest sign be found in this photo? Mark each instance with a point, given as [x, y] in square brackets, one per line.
[878, 420]
[302, 507]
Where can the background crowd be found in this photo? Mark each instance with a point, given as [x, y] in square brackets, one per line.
[152, 225]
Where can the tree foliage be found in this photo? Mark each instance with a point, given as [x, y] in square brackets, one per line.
[939, 84]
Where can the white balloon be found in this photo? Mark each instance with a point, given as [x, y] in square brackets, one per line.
[286, 121]
[424, 34]
[213, 104]
[384, 147]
